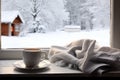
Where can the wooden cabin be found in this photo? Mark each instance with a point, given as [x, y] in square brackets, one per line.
[10, 23]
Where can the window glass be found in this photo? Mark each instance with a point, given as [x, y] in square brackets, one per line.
[43, 23]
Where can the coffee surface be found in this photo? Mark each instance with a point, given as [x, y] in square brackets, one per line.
[32, 50]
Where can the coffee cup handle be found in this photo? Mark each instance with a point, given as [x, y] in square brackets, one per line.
[44, 55]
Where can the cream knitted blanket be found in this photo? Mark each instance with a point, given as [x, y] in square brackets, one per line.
[86, 55]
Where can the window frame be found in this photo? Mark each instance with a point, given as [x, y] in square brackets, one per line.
[17, 53]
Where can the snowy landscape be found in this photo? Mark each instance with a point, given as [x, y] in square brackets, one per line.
[45, 22]
[37, 40]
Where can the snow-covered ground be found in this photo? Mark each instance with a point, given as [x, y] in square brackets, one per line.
[59, 38]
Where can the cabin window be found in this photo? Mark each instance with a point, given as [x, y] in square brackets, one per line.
[17, 28]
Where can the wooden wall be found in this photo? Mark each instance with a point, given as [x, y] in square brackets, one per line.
[4, 29]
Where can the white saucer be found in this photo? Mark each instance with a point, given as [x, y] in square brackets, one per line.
[20, 65]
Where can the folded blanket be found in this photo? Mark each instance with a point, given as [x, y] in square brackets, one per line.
[86, 56]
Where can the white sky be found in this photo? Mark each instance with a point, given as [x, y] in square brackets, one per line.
[59, 38]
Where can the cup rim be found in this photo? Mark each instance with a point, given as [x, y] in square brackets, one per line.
[32, 49]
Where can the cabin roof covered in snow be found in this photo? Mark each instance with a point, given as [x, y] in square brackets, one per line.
[9, 16]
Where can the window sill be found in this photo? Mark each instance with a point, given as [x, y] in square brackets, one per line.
[7, 70]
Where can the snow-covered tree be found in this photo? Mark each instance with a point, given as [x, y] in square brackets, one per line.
[79, 14]
[89, 14]
[100, 10]
[73, 7]
[54, 14]
[31, 10]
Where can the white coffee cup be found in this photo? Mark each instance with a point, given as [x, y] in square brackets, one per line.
[32, 57]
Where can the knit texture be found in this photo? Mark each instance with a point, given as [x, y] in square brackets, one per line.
[86, 56]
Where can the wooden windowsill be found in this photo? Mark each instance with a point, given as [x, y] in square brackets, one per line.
[8, 70]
